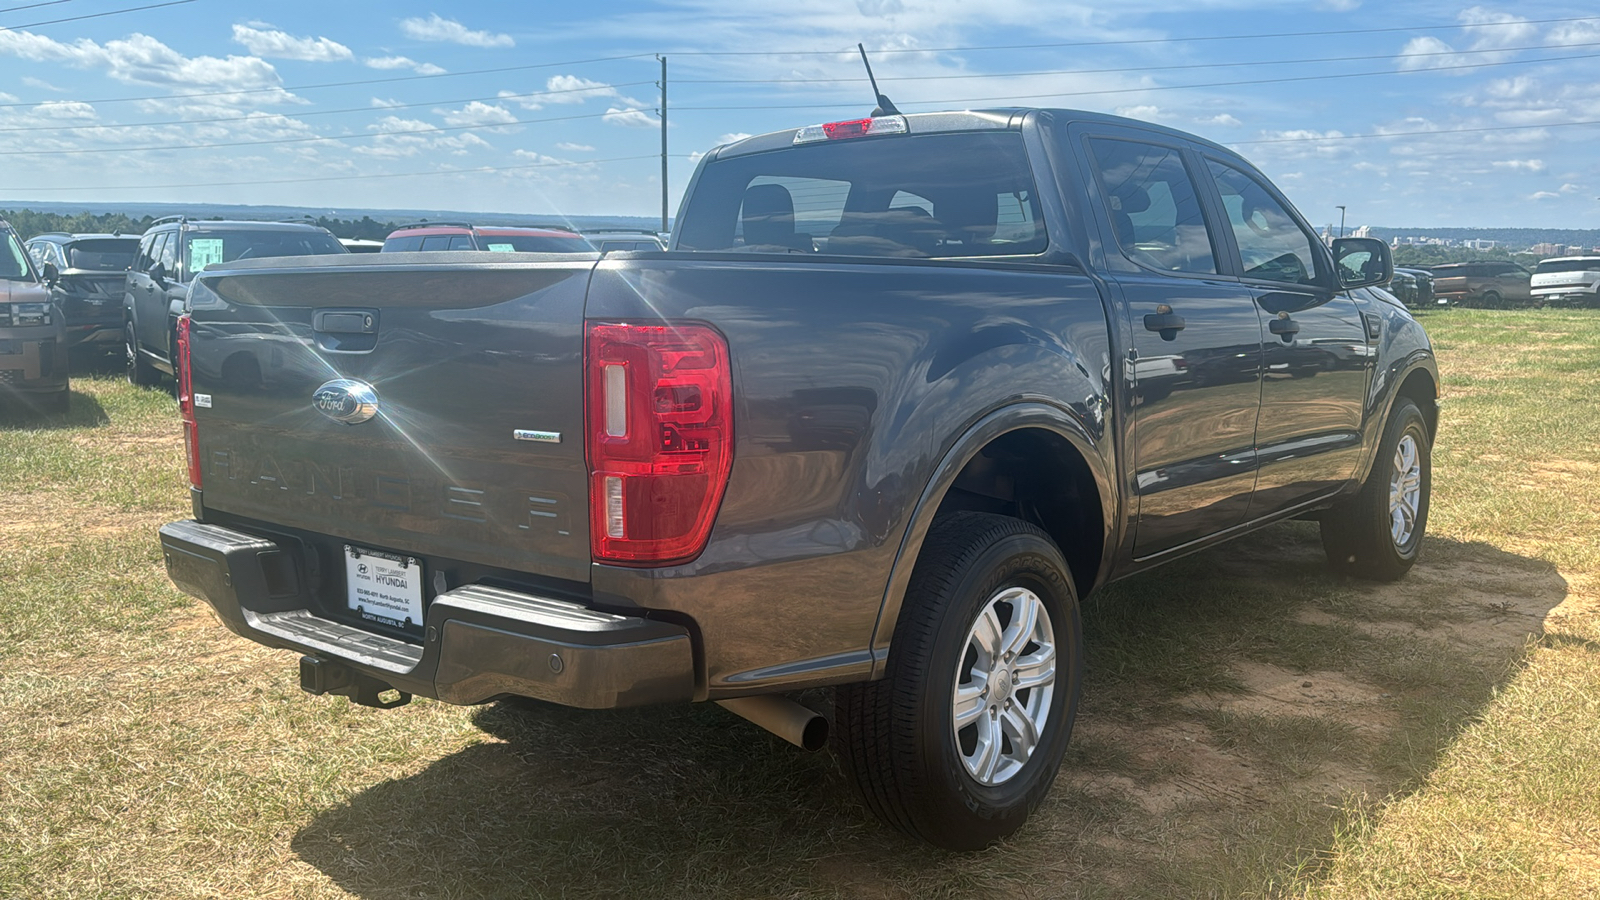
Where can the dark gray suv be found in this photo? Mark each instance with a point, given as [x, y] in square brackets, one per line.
[33, 353]
[171, 253]
[86, 274]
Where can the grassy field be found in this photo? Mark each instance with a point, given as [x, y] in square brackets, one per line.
[1252, 726]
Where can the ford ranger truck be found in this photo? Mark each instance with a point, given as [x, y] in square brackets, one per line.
[900, 392]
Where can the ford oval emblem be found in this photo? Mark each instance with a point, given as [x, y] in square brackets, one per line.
[346, 400]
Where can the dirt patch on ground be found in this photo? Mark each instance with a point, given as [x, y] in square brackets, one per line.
[56, 518]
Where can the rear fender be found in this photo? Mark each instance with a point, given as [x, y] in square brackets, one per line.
[1015, 417]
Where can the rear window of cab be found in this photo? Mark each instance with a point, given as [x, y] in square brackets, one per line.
[963, 194]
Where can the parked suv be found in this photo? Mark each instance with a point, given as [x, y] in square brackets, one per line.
[1489, 284]
[171, 253]
[1568, 280]
[1414, 287]
[33, 353]
[86, 274]
[462, 236]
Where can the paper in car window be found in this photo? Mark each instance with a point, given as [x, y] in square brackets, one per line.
[203, 252]
[502, 248]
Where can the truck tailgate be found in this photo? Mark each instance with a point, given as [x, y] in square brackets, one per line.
[475, 450]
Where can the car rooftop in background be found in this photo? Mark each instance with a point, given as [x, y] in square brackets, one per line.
[432, 236]
[614, 239]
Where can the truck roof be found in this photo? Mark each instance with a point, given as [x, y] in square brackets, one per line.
[998, 119]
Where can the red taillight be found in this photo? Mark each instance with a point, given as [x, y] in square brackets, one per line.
[659, 439]
[191, 430]
[852, 128]
[837, 131]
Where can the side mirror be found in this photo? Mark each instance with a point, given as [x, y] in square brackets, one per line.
[1362, 262]
[158, 274]
[51, 273]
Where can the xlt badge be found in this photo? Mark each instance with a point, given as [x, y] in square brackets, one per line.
[346, 400]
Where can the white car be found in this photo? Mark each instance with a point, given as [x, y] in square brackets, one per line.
[1567, 280]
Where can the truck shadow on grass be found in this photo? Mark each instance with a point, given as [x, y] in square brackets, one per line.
[19, 412]
[1241, 705]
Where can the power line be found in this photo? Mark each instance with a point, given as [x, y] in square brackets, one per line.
[319, 112]
[430, 130]
[98, 15]
[365, 81]
[1208, 65]
[1386, 134]
[252, 182]
[1132, 41]
[1165, 87]
[34, 5]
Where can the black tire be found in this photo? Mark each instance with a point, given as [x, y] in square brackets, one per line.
[896, 738]
[1359, 536]
[59, 403]
[140, 372]
[1491, 300]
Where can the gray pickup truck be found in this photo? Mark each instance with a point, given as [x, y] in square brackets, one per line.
[899, 393]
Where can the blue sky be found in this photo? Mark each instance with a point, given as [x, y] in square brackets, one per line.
[1476, 100]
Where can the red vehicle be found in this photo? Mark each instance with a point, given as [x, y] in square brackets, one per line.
[463, 236]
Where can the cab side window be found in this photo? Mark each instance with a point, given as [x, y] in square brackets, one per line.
[146, 257]
[169, 255]
[1154, 210]
[1272, 245]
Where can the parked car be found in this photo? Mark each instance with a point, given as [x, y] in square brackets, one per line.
[608, 241]
[86, 274]
[866, 424]
[33, 342]
[361, 245]
[1567, 281]
[426, 236]
[1491, 284]
[176, 249]
[1414, 288]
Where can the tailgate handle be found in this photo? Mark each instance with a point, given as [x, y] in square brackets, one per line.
[345, 321]
[345, 330]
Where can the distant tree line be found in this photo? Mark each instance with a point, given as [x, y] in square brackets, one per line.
[29, 222]
[1424, 255]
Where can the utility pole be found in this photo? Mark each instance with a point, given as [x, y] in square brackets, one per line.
[1341, 208]
[663, 85]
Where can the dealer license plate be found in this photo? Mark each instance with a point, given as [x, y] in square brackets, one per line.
[384, 587]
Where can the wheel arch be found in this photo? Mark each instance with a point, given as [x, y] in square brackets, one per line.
[1051, 459]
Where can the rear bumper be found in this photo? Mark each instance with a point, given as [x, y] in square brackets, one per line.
[95, 332]
[480, 642]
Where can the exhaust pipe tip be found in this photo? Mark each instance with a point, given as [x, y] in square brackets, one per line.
[799, 725]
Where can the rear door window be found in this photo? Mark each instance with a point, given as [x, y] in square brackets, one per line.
[922, 196]
[208, 248]
[1154, 210]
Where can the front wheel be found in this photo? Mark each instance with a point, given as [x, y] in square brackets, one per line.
[961, 740]
[1378, 534]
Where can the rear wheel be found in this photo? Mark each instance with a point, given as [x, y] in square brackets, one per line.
[1491, 300]
[961, 740]
[1378, 534]
[140, 372]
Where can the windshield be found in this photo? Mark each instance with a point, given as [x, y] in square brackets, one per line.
[1568, 265]
[102, 255]
[937, 195]
[205, 248]
[13, 262]
[534, 243]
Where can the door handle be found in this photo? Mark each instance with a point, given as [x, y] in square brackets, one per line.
[1166, 322]
[1284, 327]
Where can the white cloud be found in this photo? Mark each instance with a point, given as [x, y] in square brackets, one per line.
[1520, 165]
[380, 103]
[65, 109]
[403, 62]
[438, 28]
[574, 148]
[540, 159]
[1223, 119]
[141, 59]
[1543, 195]
[478, 114]
[8, 98]
[1145, 112]
[576, 90]
[265, 41]
[1504, 30]
[1341, 5]
[1570, 188]
[630, 118]
[1575, 33]
[41, 84]
[418, 138]
[732, 137]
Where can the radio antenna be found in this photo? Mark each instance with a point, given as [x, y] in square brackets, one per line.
[886, 106]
